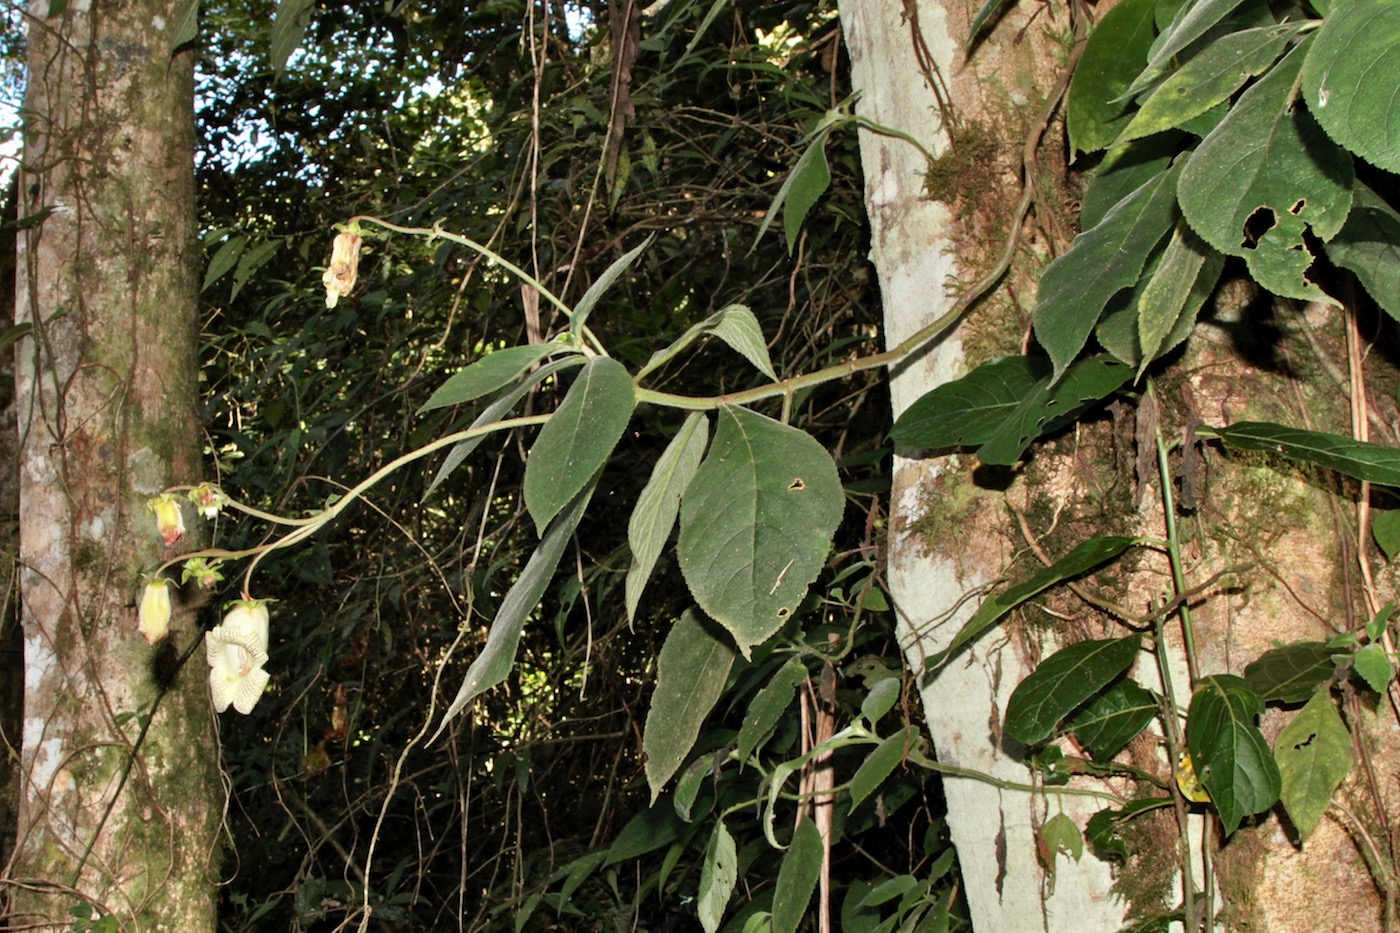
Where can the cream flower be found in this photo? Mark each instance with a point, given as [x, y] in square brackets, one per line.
[169, 521]
[154, 615]
[237, 650]
[339, 277]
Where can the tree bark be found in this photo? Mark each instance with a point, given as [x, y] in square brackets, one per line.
[112, 822]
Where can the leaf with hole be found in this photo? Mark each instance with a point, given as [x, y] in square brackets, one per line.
[1291, 673]
[1231, 758]
[757, 523]
[691, 672]
[1314, 756]
[1375, 463]
[1113, 718]
[1350, 76]
[1062, 682]
[655, 513]
[797, 877]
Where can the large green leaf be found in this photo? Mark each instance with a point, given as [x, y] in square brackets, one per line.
[880, 763]
[498, 656]
[1291, 673]
[690, 675]
[1362, 460]
[1229, 754]
[1062, 682]
[646, 832]
[1369, 246]
[810, 178]
[1113, 718]
[576, 441]
[718, 874]
[660, 502]
[1104, 826]
[1113, 57]
[757, 522]
[1180, 284]
[1193, 20]
[1268, 164]
[1314, 757]
[1350, 77]
[1123, 170]
[1085, 557]
[797, 877]
[1077, 286]
[767, 707]
[487, 374]
[1052, 405]
[1209, 78]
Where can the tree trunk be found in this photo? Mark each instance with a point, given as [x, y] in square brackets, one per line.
[113, 822]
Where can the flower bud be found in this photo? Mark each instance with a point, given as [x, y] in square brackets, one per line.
[209, 499]
[205, 573]
[154, 614]
[236, 650]
[169, 521]
[339, 277]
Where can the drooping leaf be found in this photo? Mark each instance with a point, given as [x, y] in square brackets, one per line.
[1385, 528]
[690, 675]
[577, 440]
[797, 877]
[1077, 286]
[494, 370]
[1180, 284]
[880, 763]
[1062, 837]
[811, 176]
[1374, 666]
[600, 286]
[1085, 557]
[223, 260]
[1103, 828]
[1231, 757]
[1314, 757]
[1113, 57]
[288, 28]
[880, 700]
[648, 831]
[1349, 79]
[1268, 167]
[1123, 170]
[768, 706]
[186, 28]
[718, 873]
[1291, 673]
[695, 776]
[660, 502]
[757, 522]
[498, 655]
[1054, 404]
[815, 140]
[736, 326]
[984, 16]
[1113, 718]
[1369, 247]
[1062, 682]
[1375, 463]
[1193, 21]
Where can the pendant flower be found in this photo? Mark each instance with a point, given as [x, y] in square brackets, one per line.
[154, 615]
[169, 521]
[236, 650]
[339, 277]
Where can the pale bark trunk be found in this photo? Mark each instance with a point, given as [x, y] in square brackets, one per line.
[106, 388]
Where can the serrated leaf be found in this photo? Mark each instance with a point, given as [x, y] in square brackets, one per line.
[1385, 528]
[1291, 673]
[815, 140]
[1375, 463]
[811, 176]
[1374, 666]
[1078, 285]
[579, 872]
[251, 261]
[494, 370]
[689, 783]
[600, 286]
[660, 502]
[1123, 170]
[1350, 76]
[1314, 756]
[768, 706]
[1103, 827]
[1231, 757]
[1062, 682]
[690, 675]
[718, 873]
[880, 763]
[578, 438]
[1180, 284]
[1085, 557]
[223, 260]
[498, 655]
[1113, 57]
[1270, 165]
[757, 522]
[1192, 22]
[1368, 246]
[797, 877]
[1113, 718]
[288, 28]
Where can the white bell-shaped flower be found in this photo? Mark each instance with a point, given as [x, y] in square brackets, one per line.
[237, 650]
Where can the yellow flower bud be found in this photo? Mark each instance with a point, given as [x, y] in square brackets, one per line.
[169, 521]
[339, 277]
[154, 615]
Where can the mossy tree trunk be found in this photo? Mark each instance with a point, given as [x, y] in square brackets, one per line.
[106, 389]
[958, 529]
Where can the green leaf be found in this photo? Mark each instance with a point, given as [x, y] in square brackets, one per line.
[223, 260]
[646, 832]
[1113, 57]
[1291, 673]
[288, 28]
[486, 375]
[718, 873]
[1314, 757]
[768, 706]
[1374, 666]
[1123, 170]
[797, 877]
[1349, 79]
[1209, 78]
[1193, 20]
[1269, 165]
[1385, 528]
[688, 785]
[1113, 718]
[1077, 286]
[690, 675]
[1053, 405]
[880, 763]
[1369, 247]
[1230, 756]
[1362, 460]
[984, 15]
[881, 699]
[251, 261]
[736, 326]
[590, 298]
[810, 178]
[13, 333]
[815, 140]
[1062, 682]
[1180, 284]
[186, 29]
[498, 656]
[1062, 836]
[578, 438]
[1088, 555]
[1103, 828]
[660, 502]
[757, 522]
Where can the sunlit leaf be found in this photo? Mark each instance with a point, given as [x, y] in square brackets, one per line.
[655, 513]
[1231, 757]
[690, 675]
[1314, 756]
[718, 873]
[1375, 463]
[1062, 682]
[797, 877]
[494, 370]
[1113, 718]
[1350, 75]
